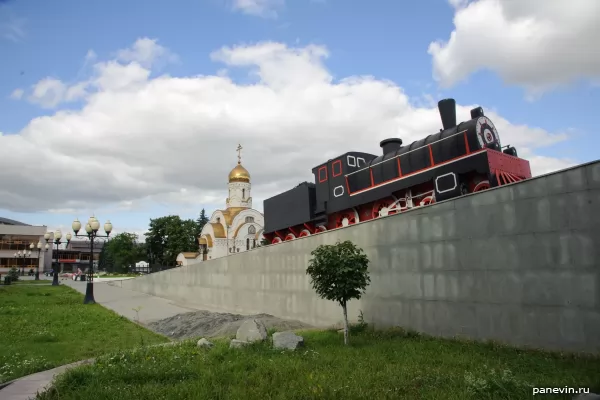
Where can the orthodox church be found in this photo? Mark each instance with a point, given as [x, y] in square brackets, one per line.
[235, 229]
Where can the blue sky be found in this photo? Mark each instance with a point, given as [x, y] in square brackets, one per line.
[388, 40]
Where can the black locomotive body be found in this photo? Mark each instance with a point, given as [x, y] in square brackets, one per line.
[356, 187]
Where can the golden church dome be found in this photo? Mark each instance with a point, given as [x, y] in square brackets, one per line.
[239, 174]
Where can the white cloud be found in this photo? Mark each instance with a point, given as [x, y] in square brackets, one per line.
[17, 94]
[261, 8]
[536, 44]
[48, 93]
[146, 52]
[130, 66]
[139, 140]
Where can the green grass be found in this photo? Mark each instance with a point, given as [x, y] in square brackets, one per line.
[42, 327]
[377, 365]
[32, 282]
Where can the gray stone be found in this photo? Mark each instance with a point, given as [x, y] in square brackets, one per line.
[287, 340]
[252, 330]
[204, 343]
[236, 344]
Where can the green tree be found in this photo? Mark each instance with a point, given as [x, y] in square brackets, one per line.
[105, 261]
[14, 274]
[124, 250]
[201, 221]
[339, 273]
[168, 236]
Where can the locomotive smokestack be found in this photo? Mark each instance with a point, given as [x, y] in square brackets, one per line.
[389, 145]
[447, 108]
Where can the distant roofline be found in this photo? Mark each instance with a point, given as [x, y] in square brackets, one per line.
[7, 221]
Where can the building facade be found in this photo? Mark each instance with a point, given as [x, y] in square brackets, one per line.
[235, 229]
[77, 255]
[17, 237]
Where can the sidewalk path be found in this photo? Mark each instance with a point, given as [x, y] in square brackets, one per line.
[123, 301]
[27, 387]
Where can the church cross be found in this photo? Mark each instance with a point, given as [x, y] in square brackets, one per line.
[239, 150]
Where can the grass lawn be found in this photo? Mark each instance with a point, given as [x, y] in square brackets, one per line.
[42, 327]
[383, 365]
[32, 282]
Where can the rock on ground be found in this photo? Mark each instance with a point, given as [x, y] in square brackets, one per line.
[237, 344]
[252, 330]
[211, 324]
[204, 343]
[287, 340]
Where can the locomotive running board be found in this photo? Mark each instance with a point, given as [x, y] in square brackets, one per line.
[475, 153]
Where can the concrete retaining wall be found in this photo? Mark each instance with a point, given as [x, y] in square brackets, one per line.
[519, 264]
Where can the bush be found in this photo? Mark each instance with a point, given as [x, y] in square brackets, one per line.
[14, 274]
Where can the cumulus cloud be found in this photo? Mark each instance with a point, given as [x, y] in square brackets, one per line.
[17, 94]
[536, 44]
[261, 8]
[139, 140]
[131, 65]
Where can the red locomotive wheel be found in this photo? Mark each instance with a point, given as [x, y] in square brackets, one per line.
[481, 186]
[276, 240]
[381, 208]
[427, 200]
[304, 233]
[345, 218]
[290, 236]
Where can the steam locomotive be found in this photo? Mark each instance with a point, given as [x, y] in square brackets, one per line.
[357, 187]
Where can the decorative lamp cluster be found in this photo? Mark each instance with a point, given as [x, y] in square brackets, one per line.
[39, 244]
[92, 226]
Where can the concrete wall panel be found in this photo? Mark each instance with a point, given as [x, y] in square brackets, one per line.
[519, 264]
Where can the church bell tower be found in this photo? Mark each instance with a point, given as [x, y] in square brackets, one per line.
[239, 185]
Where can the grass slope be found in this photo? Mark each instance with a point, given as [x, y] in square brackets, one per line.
[42, 327]
[376, 365]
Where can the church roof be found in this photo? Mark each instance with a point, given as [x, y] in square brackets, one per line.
[231, 213]
[218, 230]
[190, 255]
[239, 174]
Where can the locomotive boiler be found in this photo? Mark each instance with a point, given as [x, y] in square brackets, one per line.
[356, 187]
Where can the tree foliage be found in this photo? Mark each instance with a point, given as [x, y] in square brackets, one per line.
[105, 261]
[339, 273]
[168, 236]
[122, 251]
[201, 221]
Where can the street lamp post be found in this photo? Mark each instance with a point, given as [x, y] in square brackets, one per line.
[39, 250]
[57, 242]
[91, 228]
[23, 255]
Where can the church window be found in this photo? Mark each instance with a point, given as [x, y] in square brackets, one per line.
[251, 229]
[243, 194]
[218, 220]
[248, 244]
[249, 220]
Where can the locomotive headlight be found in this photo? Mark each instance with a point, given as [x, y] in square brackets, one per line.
[487, 135]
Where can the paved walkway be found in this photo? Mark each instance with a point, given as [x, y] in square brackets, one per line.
[27, 387]
[122, 301]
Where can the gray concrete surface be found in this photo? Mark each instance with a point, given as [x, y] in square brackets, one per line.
[125, 301]
[519, 264]
[27, 387]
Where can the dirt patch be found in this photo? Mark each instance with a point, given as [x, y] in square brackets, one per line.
[212, 324]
